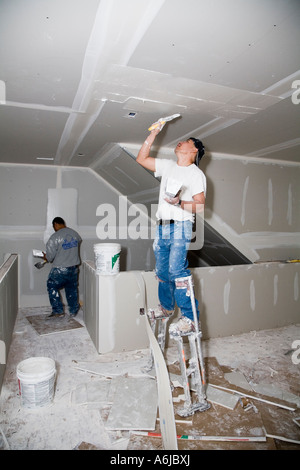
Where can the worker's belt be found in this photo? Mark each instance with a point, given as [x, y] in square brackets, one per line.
[165, 222]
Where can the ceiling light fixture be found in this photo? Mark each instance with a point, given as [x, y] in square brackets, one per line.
[45, 158]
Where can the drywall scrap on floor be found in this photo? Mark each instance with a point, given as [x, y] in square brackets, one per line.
[213, 395]
[114, 369]
[132, 401]
[224, 425]
[238, 379]
[297, 421]
[237, 416]
[251, 420]
[254, 397]
[83, 400]
[134, 404]
[92, 393]
[220, 398]
[272, 391]
[44, 326]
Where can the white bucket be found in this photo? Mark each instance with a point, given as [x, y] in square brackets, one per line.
[107, 258]
[36, 377]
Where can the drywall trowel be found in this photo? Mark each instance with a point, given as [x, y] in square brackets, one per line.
[39, 254]
[162, 121]
[40, 264]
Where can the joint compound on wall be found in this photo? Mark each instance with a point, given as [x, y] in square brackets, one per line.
[252, 295]
[2, 352]
[226, 296]
[296, 287]
[62, 202]
[275, 289]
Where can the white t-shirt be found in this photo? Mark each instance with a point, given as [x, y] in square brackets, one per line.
[192, 180]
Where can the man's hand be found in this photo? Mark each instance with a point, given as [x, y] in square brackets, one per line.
[173, 200]
[157, 125]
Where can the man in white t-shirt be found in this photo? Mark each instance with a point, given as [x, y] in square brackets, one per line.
[182, 194]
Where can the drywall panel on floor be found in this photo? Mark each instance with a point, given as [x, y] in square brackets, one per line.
[134, 404]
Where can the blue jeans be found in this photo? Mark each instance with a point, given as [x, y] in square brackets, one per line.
[63, 278]
[170, 249]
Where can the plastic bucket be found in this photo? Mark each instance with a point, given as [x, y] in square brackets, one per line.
[36, 377]
[107, 258]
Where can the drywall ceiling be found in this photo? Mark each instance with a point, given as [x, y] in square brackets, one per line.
[73, 71]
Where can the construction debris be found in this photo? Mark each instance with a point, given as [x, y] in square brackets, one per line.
[83, 401]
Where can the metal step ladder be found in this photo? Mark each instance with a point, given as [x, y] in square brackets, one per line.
[196, 369]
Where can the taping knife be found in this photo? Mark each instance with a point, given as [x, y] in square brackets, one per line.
[162, 121]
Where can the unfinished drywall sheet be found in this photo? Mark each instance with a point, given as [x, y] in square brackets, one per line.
[93, 190]
[240, 299]
[112, 306]
[182, 93]
[232, 300]
[102, 47]
[263, 197]
[9, 300]
[62, 202]
[24, 197]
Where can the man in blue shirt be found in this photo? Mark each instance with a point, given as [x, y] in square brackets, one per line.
[62, 250]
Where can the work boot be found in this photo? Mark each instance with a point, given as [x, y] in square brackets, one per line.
[159, 312]
[55, 315]
[184, 326]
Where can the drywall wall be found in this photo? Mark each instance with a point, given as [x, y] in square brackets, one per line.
[232, 300]
[28, 196]
[62, 201]
[9, 303]
[252, 203]
[239, 299]
[112, 308]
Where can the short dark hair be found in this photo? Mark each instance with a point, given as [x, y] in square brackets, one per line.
[58, 220]
[200, 147]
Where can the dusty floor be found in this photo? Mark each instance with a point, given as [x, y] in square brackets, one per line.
[268, 358]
